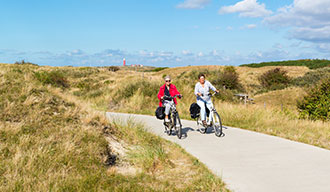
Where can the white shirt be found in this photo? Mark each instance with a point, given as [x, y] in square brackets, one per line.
[204, 90]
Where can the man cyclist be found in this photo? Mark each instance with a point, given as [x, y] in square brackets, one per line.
[168, 89]
[202, 90]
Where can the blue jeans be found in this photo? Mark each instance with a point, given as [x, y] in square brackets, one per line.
[201, 104]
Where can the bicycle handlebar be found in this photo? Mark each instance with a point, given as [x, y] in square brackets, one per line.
[172, 97]
[211, 94]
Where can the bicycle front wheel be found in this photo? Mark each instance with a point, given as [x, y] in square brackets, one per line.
[200, 126]
[178, 126]
[217, 124]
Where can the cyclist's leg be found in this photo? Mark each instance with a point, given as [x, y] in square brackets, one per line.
[167, 106]
[203, 110]
[209, 105]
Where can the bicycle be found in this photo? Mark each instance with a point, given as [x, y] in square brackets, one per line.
[213, 120]
[175, 122]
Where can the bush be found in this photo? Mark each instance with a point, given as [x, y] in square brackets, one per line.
[113, 68]
[310, 63]
[274, 79]
[158, 69]
[228, 78]
[54, 78]
[312, 77]
[316, 105]
[226, 95]
[23, 62]
[193, 75]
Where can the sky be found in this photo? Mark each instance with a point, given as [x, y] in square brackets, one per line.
[163, 33]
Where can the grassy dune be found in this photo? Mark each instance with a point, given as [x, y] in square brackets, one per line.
[135, 92]
[51, 139]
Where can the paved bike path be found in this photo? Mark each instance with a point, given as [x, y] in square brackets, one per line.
[250, 161]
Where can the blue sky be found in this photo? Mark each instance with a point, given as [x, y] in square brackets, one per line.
[163, 33]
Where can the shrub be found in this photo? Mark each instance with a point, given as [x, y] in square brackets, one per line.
[312, 77]
[113, 68]
[193, 75]
[228, 78]
[23, 62]
[226, 95]
[274, 79]
[310, 63]
[158, 69]
[54, 78]
[316, 105]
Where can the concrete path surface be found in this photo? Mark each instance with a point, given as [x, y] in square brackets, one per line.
[251, 162]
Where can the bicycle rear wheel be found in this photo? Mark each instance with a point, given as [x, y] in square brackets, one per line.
[217, 124]
[178, 126]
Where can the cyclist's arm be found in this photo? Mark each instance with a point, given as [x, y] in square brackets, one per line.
[196, 90]
[176, 90]
[212, 87]
[160, 95]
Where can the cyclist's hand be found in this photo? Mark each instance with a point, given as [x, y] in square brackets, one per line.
[162, 98]
[217, 91]
[180, 96]
[199, 94]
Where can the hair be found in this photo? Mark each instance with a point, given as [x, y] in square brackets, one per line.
[167, 77]
[201, 75]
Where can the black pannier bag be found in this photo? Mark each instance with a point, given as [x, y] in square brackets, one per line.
[160, 113]
[195, 110]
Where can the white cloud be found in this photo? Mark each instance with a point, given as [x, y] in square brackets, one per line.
[214, 53]
[75, 52]
[187, 52]
[307, 20]
[246, 8]
[193, 4]
[229, 28]
[250, 26]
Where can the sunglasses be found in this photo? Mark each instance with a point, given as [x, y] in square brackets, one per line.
[168, 81]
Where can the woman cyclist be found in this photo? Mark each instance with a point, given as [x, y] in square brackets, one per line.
[202, 90]
[167, 89]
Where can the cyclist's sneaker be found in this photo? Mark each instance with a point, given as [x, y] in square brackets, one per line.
[167, 120]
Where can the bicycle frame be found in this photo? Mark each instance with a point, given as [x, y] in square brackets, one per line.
[212, 110]
[176, 123]
[172, 110]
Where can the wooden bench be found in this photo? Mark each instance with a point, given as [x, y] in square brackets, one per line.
[244, 97]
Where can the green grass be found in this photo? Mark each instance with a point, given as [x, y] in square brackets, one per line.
[310, 63]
